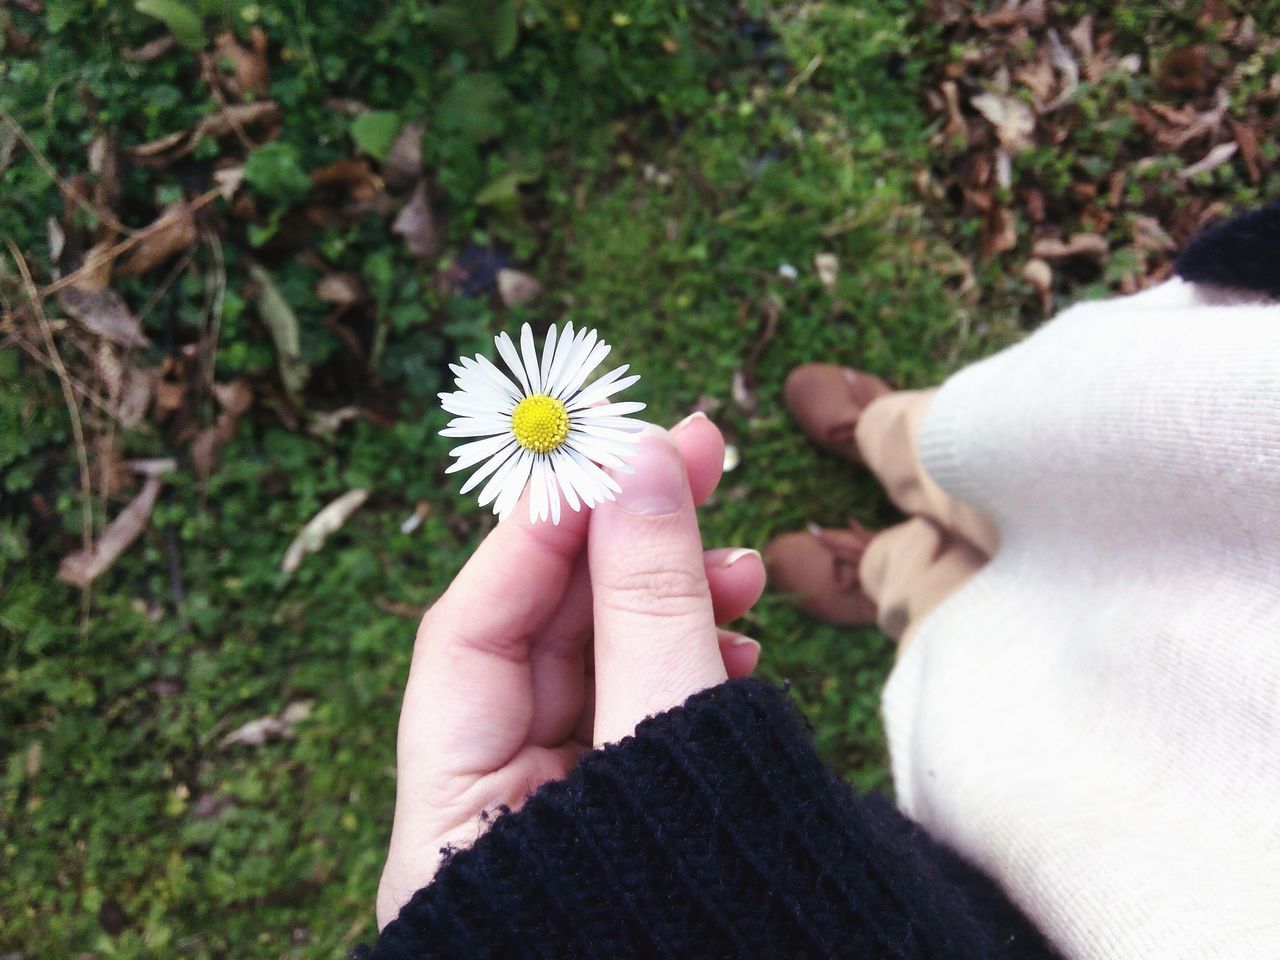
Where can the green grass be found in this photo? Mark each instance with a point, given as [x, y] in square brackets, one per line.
[659, 193]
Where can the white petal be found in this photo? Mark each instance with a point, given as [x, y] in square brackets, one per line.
[627, 426]
[507, 350]
[563, 349]
[562, 478]
[537, 492]
[492, 464]
[514, 486]
[548, 354]
[585, 344]
[620, 409]
[477, 450]
[530, 354]
[470, 405]
[553, 490]
[606, 482]
[602, 457]
[602, 431]
[597, 354]
[604, 388]
[475, 427]
[497, 482]
[601, 440]
[499, 379]
[587, 487]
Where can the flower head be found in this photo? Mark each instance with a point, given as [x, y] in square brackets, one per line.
[545, 428]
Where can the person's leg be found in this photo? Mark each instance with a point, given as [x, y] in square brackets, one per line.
[886, 434]
[909, 569]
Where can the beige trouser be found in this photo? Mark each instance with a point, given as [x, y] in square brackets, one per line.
[909, 569]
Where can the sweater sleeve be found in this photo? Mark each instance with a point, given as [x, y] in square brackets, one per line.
[715, 831]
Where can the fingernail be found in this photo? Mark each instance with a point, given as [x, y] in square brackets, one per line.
[657, 486]
[738, 640]
[851, 376]
[697, 415]
[738, 554]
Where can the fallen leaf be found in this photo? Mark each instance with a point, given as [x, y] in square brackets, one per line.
[229, 180]
[103, 312]
[1150, 236]
[1187, 70]
[999, 231]
[172, 232]
[151, 51]
[1040, 275]
[83, 567]
[1013, 120]
[282, 324]
[257, 732]
[1250, 152]
[248, 72]
[234, 398]
[828, 267]
[341, 289]
[328, 423]
[233, 116]
[169, 397]
[420, 512]
[1089, 245]
[403, 166]
[517, 288]
[329, 520]
[1215, 158]
[135, 396]
[157, 146]
[417, 225]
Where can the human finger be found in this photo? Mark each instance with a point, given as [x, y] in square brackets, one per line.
[654, 624]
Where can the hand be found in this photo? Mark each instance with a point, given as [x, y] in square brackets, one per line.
[507, 689]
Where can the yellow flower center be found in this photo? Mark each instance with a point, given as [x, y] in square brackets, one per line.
[540, 423]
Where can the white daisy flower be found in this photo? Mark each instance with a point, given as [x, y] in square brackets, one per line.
[545, 428]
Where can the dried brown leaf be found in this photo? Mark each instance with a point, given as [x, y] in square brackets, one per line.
[135, 396]
[517, 288]
[235, 115]
[172, 232]
[417, 224]
[1039, 274]
[1215, 158]
[257, 732]
[342, 289]
[1013, 120]
[1089, 245]
[152, 51]
[329, 520]
[104, 313]
[153, 147]
[404, 163]
[81, 568]
[242, 70]
[1250, 151]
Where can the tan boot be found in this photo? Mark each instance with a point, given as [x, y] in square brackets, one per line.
[826, 401]
[819, 569]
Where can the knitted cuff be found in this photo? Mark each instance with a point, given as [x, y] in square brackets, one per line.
[715, 831]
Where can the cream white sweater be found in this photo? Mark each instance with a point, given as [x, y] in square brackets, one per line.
[1094, 720]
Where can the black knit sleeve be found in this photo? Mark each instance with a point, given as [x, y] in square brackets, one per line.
[715, 831]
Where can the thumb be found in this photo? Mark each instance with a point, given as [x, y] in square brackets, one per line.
[655, 633]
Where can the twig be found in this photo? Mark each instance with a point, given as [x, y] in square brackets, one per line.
[107, 256]
[104, 216]
[34, 353]
[73, 410]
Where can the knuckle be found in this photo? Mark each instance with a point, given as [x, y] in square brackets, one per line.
[657, 590]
